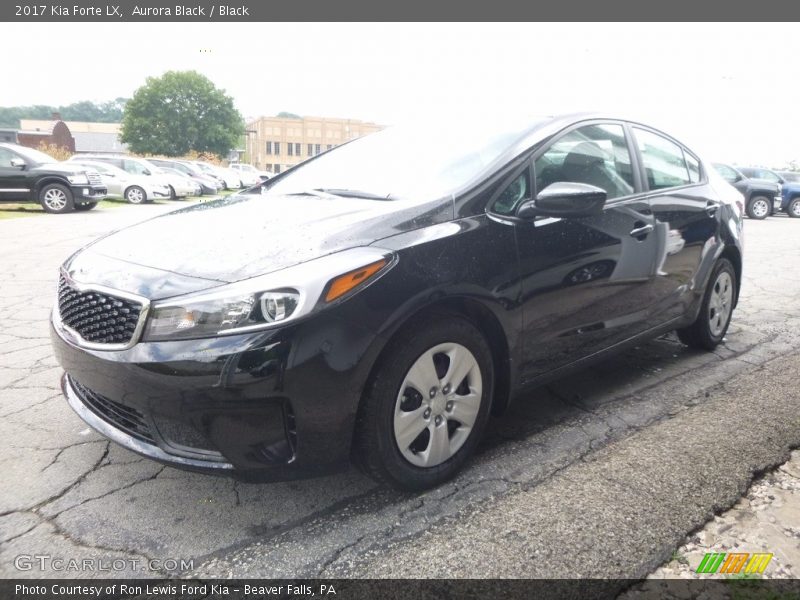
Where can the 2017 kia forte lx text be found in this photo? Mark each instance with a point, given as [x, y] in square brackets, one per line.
[356, 308]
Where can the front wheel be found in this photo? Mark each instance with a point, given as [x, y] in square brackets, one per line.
[56, 198]
[793, 209]
[715, 313]
[427, 404]
[758, 207]
[135, 195]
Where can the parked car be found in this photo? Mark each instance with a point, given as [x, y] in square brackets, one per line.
[248, 174]
[790, 190]
[792, 176]
[28, 175]
[180, 184]
[124, 185]
[761, 198]
[359, 305]
[208, 185]
[137, 167]
[228, 176]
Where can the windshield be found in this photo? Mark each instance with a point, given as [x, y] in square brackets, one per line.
[403, 162]
[35, 155]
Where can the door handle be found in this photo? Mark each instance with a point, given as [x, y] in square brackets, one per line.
[641, 232]
[711, 208]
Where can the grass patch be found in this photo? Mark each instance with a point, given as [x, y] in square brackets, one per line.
[14, 210]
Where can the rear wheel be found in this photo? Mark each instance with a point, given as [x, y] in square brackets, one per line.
[793, 210]
[426, 407]
[85, 206]
[56, 198]
[135, 195]
[715, 313]
[758, 207]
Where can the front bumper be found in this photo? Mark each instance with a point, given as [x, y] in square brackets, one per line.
[82, 193]
[264, 406]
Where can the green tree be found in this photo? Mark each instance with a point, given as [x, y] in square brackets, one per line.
[107, 112]
[179, 112]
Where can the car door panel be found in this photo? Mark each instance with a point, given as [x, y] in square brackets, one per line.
[587, 283]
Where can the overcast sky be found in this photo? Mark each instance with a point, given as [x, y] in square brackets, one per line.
[727, 90]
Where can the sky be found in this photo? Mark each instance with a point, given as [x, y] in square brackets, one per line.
[728, 91]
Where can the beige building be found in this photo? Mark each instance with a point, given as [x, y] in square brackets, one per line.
[277, 143]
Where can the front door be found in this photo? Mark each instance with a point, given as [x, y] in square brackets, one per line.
[587, 283]
[13, 180]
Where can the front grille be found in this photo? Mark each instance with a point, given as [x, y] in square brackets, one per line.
[94, 178]
[97, 317]
[125, 418]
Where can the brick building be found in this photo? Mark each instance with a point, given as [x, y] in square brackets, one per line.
[277, 143]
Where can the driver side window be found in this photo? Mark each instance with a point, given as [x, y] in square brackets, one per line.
[595, 155]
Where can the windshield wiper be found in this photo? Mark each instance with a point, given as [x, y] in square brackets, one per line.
[344, 193]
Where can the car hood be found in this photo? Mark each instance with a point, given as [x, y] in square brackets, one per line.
[243, 236]
[64, 168]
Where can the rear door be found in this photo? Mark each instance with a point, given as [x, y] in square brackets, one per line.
[686, 214]
[587, 283]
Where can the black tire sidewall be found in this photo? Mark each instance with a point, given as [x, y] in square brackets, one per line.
[68, 207]
[723, 264]
[386, 386]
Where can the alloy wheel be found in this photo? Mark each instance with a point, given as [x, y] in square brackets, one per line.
[437, 405]
[55, 199]
[760, 208]
[720, 304]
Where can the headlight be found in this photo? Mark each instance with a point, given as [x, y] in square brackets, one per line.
[269, 300]
[79, 179]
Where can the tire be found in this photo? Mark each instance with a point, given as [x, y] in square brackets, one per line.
[135, 195]
[85, 206]
[56, 198]
[793, 210]
[420, 357]
[172, 194]
[715, 313]
[759, 207]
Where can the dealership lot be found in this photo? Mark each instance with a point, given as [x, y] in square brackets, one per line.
[611, 468]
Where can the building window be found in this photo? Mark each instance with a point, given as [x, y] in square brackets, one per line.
[269, 147]
[277, 169]
[291, 149]
[311, 149]
[296, 149]
[277, 148]
[317, 149]
[330, 146]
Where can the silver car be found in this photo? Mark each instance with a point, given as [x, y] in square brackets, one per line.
[180, 184]
[136, 189]
[247, 173]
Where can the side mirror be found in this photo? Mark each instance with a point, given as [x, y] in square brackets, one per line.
[565, 199]
[146, 172]
[18, 163]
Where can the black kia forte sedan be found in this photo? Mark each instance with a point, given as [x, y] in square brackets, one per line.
[379, 301]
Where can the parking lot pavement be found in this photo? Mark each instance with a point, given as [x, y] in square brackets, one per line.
[611, 468]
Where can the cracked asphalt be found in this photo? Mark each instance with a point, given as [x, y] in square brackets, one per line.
[601, 474]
